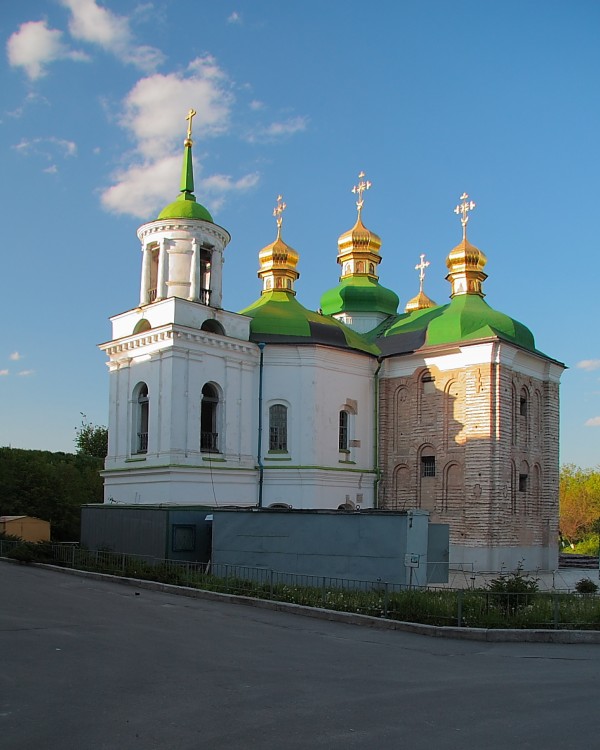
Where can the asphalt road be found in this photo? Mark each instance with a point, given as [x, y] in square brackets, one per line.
[94, 665]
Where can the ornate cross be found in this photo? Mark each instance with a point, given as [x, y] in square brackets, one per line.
[420, 267]
[463, 211]
[190, 115]
[278, 213]
[360, 189]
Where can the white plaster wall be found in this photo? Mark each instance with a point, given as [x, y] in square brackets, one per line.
[315, 383]
[203, 485]
[174, 310]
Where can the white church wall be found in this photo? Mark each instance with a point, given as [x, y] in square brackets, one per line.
[315, 383]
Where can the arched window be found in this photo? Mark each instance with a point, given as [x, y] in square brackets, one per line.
[212, 326]
[141, 326]
[205, 263]
[209, 436]
[278, 428]
[141, 413]
[343, 434]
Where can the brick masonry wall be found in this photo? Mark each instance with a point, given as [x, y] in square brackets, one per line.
[493, 435]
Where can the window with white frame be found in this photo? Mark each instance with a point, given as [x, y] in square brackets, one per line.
[278, 424]
[141, 414]
[344, 431]
[209, 434]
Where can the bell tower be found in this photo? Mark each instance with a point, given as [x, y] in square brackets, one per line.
[182, 250]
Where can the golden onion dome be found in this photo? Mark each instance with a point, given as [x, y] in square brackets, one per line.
[278, 254]
[420, 302]
[466, 257]
[359, 238]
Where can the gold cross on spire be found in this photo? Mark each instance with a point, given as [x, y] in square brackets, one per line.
[278, 213]
[420, 267]
[190, 115]
[360, 189]
[463, 210]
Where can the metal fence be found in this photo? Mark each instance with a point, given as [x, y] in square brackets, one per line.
[463, 607]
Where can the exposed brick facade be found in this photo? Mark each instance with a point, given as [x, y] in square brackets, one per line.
[475, 445]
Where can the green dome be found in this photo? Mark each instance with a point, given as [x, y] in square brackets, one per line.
[468, 317]
[185, 207]
[359, 294]
[278, 318]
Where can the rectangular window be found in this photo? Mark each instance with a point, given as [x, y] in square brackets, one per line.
[184, 538]
[278, 428]
[427, 466]
[343, 432]
[522, 482]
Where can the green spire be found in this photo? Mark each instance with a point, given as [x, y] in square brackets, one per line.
[187, 170]
[185, 205]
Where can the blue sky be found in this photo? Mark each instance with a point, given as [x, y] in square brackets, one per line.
[430, 99]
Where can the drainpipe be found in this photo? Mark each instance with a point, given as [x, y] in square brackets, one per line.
[376, 434]
[261, 346]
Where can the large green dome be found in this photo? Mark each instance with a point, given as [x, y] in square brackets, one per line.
[359, 294]
[468, 317]
[278, 318]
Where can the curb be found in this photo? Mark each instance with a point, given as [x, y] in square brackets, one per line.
[491, 635]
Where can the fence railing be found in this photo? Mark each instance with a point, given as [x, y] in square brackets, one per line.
[464, 607]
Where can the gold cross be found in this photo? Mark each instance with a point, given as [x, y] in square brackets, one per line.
[360, 189]
[463, 210]
[278, 213]
[192, 113]
[421, 268]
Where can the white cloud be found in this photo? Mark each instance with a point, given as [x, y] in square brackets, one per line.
[154, 107]
[589, 364]
[15, 357]
[26, 373]
[154, 116]
[278, 130]
[34, 46]
[593, 422]
[255, 105]
[3, 372]
[52, 169]
[95, 24]
[235, 17]
[47, 148]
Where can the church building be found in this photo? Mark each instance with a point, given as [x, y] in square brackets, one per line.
[445, 408]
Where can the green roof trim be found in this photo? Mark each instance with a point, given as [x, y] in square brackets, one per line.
[468, 317]
[185, 206]
[278, 317]
[359, 294]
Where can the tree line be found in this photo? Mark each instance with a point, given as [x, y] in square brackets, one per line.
[54, 486]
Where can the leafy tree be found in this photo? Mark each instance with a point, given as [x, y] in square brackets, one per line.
[91, 439]
[579, 502]
[51, 486]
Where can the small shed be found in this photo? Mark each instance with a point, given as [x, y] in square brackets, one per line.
[28, 528]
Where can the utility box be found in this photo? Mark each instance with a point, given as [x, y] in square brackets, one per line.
[164, 532]
[364, 546]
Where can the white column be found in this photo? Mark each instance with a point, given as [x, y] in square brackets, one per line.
[163, 260]
[195, 272]
[145, 283]
[216, 277]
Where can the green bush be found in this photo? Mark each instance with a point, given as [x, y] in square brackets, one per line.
[29, 552]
